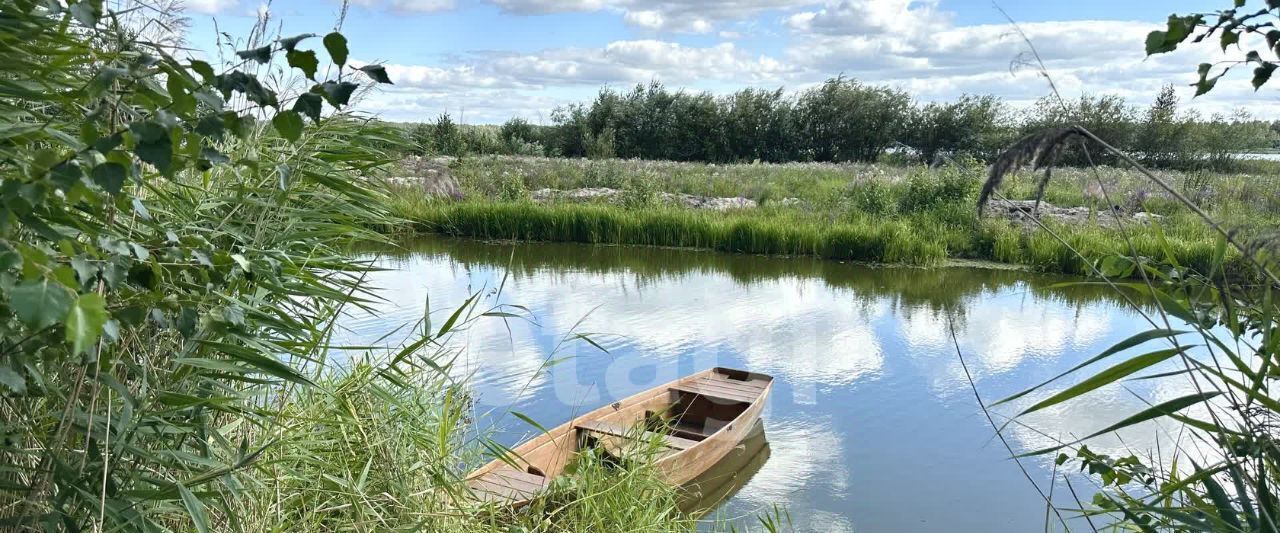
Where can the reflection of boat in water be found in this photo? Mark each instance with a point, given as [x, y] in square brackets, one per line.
[698, 420]
[707, 491]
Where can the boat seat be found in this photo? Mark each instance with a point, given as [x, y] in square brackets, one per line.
[507, 485]
[619, 430]
[716, 386]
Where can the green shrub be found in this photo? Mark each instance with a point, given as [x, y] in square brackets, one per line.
[874, 197]
[511, 188]
[640, 191]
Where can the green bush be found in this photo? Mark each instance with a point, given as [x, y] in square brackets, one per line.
[874, 197]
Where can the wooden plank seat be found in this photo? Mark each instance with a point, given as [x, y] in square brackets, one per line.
[719, 387]
[507, 485]
[619, 430]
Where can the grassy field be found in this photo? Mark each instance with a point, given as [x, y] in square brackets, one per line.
[877, 213]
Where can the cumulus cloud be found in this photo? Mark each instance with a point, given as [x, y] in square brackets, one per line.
[210, 7]
[409, 6]
[847, 17]
[912, 44]
[423, 6]
[618, 62]
[687, 16]
[546, 7]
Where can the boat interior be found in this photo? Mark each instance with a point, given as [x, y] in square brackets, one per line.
[676, 419]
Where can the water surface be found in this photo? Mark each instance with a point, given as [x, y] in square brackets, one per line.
[872, 424]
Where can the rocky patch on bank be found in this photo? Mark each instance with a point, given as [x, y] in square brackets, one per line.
[1025, 213]
[608, 195]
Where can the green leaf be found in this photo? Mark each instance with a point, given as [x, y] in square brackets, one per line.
[1228, 38]
[289, 43]
[1177, 30]
[309, 104]
[109, 176]
[304, 60]
[159, 153]
[377, 72]
[1155, 43]
[210, 126]
[261, 54]
[149, 130]
[1222, 502]
[85, 321]
[1156, 411]
[141, 209]
[195, 508]
[528, 420]
[267, 364]
[1262, 74]
[204, 69]
[336, 44]
[282, 171]
[41, 303]
[238, 81]
[289, 124]
[1118, 347]
[14, 381]
[457, 313]
[9, 257]
[86, 270]
[66, 174]
[87, 12]
[1205, 85]
[338, 93]
[1105, 377]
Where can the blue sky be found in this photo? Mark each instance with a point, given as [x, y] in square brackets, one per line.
[490, 60]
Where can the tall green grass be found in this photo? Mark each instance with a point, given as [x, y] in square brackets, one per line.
[890, 241]
[916, 240]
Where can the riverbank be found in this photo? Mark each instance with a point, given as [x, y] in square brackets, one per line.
[871, 213]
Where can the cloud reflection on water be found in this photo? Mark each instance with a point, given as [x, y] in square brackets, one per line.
[856, 352]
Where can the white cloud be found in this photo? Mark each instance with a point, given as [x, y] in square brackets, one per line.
[545, 7]
[618, 62]
[210, 7]
[911, 44]
[645, 19]
[686, 16]
[848, 17]
[422, 6]
[409, 6]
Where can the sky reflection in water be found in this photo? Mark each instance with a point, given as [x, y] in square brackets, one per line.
[872, 424]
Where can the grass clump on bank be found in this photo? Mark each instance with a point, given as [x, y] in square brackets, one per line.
[780, 234]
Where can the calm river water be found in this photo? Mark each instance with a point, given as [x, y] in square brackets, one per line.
[871, 426]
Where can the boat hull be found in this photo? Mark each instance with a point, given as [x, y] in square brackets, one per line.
[714, 410]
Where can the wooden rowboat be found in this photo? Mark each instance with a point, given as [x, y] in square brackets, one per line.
[697, 419]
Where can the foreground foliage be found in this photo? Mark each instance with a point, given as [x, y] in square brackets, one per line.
[1212, 336]
[173, 256]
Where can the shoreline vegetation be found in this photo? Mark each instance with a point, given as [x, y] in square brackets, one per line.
[876, 213]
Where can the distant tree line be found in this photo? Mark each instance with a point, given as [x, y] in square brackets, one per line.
[846, 120]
